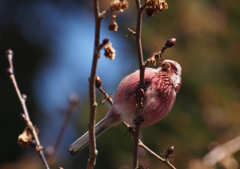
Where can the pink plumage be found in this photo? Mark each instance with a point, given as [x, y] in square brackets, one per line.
[160, 88]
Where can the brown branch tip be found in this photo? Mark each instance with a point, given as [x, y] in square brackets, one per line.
[98, 84]
[131, 32]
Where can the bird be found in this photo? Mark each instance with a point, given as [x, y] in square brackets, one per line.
[160, 88]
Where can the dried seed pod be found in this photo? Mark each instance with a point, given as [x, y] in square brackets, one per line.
[119, 5]
[149, 11]
[154, 6]
[109, 51]
[113, 26]
[25, 139]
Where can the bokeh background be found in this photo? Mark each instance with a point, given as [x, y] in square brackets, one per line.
[53, 46]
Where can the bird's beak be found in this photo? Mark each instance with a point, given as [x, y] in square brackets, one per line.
[166, 66]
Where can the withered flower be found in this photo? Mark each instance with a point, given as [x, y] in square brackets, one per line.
[113, 26]
[154, 6]
[149, 11]
[25, 139]
[109, 51]
[119, 5]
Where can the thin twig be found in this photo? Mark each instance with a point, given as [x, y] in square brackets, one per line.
[131, 32]
[71, 107]
[221, 152]
[107, 97]
[38, 147]
[155, 155]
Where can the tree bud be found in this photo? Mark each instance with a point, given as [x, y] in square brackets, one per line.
[170, 42]
[98, 82]
[170, 150]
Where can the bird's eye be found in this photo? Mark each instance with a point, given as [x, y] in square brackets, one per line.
[175, 69]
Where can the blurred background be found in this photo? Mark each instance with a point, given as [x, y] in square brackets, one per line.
[53, 47]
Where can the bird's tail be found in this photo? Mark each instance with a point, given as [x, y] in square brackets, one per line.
[83, 141]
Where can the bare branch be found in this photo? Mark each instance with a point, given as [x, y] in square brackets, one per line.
[155, 155]
[116, 6]
[221, 152]
[71, 107]
[38, 147]
[138, 40]
[142, 69]
[131, 32]
[158, 55]
[92, 92]
[136, 135]
[99, 87]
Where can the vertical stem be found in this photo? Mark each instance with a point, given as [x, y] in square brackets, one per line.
[135, 146]
[92, 92]
[142, 68]
[138, 40]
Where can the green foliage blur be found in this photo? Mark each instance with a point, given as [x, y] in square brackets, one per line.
[207, 108]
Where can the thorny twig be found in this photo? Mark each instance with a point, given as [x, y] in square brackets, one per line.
[38, 147]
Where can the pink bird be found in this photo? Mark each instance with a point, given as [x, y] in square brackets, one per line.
[160, 89]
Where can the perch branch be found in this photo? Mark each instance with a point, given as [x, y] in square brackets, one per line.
[136, 135]
[141, 68]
